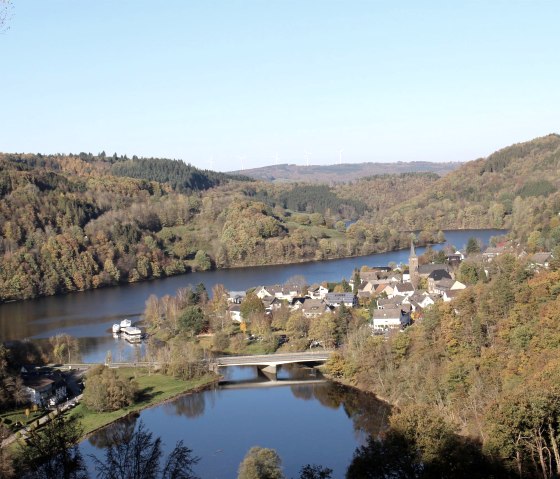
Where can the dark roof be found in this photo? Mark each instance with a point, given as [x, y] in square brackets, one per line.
[439, 274]
[38, 383]
[426, 269]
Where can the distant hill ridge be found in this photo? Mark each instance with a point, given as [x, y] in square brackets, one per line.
[345, 172]
[516, 187]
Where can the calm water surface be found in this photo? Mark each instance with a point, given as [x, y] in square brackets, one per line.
[89, 315]
[318, 423]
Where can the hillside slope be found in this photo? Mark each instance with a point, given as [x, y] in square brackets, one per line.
[343, 173]
[516, 187]
[69, 223]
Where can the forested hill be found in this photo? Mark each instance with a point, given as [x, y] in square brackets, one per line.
[516, 187]
[345, 172]
[75, 222]
[177, 174]
[181, 176]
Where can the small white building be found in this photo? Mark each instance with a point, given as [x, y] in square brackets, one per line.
[386, 319]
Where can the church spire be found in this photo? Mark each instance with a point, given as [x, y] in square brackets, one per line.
[413, 265]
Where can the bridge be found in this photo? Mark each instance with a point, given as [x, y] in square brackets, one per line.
[268, 363]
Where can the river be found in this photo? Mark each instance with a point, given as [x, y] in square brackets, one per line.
[88, 315]
[313, 421]
[310, 422]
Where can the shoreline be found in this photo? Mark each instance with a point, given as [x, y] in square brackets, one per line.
[210, 381]
[244, 266]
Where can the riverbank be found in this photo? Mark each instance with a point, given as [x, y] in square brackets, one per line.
[156, 389]
[245, 266]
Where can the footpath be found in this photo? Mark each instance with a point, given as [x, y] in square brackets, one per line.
[22, 433]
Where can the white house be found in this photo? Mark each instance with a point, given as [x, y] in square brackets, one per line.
[386, 319]
[317, 291]
[313, 308]
[336, 299]
[402, 289]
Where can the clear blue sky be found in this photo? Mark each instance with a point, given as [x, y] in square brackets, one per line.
[242, 81]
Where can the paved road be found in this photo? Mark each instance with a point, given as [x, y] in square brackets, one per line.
[279, 358]
[63, 407]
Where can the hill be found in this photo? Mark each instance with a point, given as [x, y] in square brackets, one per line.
[75, 222]
[342, 173]
[515, 188]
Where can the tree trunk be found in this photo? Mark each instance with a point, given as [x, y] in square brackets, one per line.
[554, 448]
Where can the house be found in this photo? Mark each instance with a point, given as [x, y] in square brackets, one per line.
[317, 291]
[375, 273]
[235, 313]
[541, 260]
[446, 285]
[265, 291]
[45, 390]
[313, 308]
[426, 269]
[449, 295]
[435, 276]
[366, 289]
[39, 389]
[387, 319]
[492, 252]
[236, 297]
[286, 292]
[271, 303]
[336, 299]
[455, 258]
[420, 300]
[386, 288]
[390, 303]
[403, 289]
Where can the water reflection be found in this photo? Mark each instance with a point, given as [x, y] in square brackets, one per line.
[121, 430]
[368, 414]
[190, 405]
[308, 422]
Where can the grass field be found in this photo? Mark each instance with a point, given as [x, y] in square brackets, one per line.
[154, 388]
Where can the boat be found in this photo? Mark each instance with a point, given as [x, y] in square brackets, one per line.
[125, 323]
[132, 334]
[116, 328]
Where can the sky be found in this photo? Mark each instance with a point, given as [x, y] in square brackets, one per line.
[236, 84]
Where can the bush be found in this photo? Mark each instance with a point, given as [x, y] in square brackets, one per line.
[106, 391]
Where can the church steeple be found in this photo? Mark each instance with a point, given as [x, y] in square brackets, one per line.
[413, 265]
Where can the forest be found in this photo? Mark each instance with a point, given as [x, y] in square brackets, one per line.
[75, 222]
[72, 222]
[486, 366]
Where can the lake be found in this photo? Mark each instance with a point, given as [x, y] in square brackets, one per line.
[88, 315]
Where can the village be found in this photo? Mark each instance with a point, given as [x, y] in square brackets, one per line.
[388, 298]
[395, 296]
